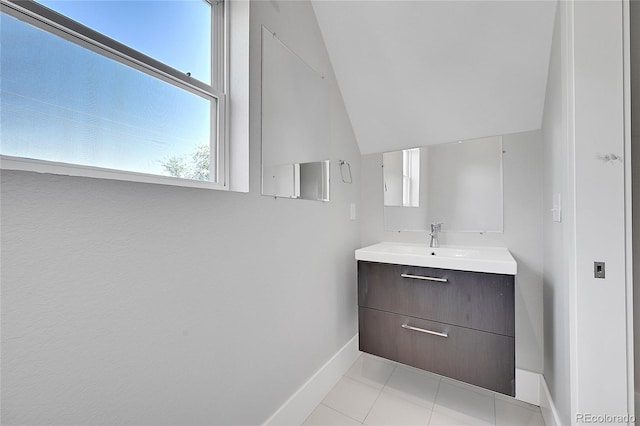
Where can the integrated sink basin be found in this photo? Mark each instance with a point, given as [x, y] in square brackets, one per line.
[495, 260]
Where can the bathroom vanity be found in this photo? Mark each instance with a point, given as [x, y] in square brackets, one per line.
[446, 310]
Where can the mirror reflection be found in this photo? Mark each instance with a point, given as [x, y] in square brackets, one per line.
[458, 184]
[402, 178]
[309, 181]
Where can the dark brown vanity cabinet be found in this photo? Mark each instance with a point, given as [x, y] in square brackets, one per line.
[457, 324]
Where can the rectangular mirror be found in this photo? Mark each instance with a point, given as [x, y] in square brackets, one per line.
[458, 184]
[309, 181]
[295, 137]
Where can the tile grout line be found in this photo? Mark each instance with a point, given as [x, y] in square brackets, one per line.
[380, 393]
[322, 402]
[331, 408]
[433, 406]
[362, 383]
[339, 380]
[345, 414]
[340, 412]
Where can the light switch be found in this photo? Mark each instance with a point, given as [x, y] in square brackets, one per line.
[353, 211]
[598, 269]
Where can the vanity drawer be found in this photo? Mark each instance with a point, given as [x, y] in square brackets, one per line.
[477, 300]
[477, 357]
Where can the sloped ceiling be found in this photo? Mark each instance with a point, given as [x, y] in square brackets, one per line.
[416, 73]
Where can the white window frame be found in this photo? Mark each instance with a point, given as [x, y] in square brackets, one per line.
[44, 18]
[411, 177]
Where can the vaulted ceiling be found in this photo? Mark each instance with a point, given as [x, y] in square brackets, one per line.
[416, 73]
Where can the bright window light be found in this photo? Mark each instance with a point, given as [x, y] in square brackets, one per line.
[140, 98]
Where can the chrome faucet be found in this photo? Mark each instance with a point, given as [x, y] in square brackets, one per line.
[436, 228]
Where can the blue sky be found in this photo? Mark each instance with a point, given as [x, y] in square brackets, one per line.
[173, 31]
[61, 102]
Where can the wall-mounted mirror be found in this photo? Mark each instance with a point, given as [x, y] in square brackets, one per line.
[295, 111]
[458, 184]
[309, 181]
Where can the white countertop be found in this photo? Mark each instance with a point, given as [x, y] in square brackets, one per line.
[495, 260]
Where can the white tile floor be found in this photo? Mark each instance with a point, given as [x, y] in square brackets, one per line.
[376, 391]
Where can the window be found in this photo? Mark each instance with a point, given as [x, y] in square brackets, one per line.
[120, 89]
[411, 177]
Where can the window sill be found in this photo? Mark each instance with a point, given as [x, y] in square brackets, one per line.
[64, 169]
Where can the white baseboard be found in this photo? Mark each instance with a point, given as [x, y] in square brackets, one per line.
[298, 407]
[528, 386]
[548, 408]
[532, 388]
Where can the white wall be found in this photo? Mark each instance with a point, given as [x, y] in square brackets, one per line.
[522, 233]
[600, 305]
[585, 317]
[555, 276]
[127, 303]
[635, 140]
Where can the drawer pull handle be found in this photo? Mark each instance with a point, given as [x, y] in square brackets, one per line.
[422, 330]
[420, 277]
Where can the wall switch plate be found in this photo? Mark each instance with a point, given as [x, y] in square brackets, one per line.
[353, 211]
[598, 269]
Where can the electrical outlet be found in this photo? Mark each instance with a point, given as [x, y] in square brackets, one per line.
[598, 269]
